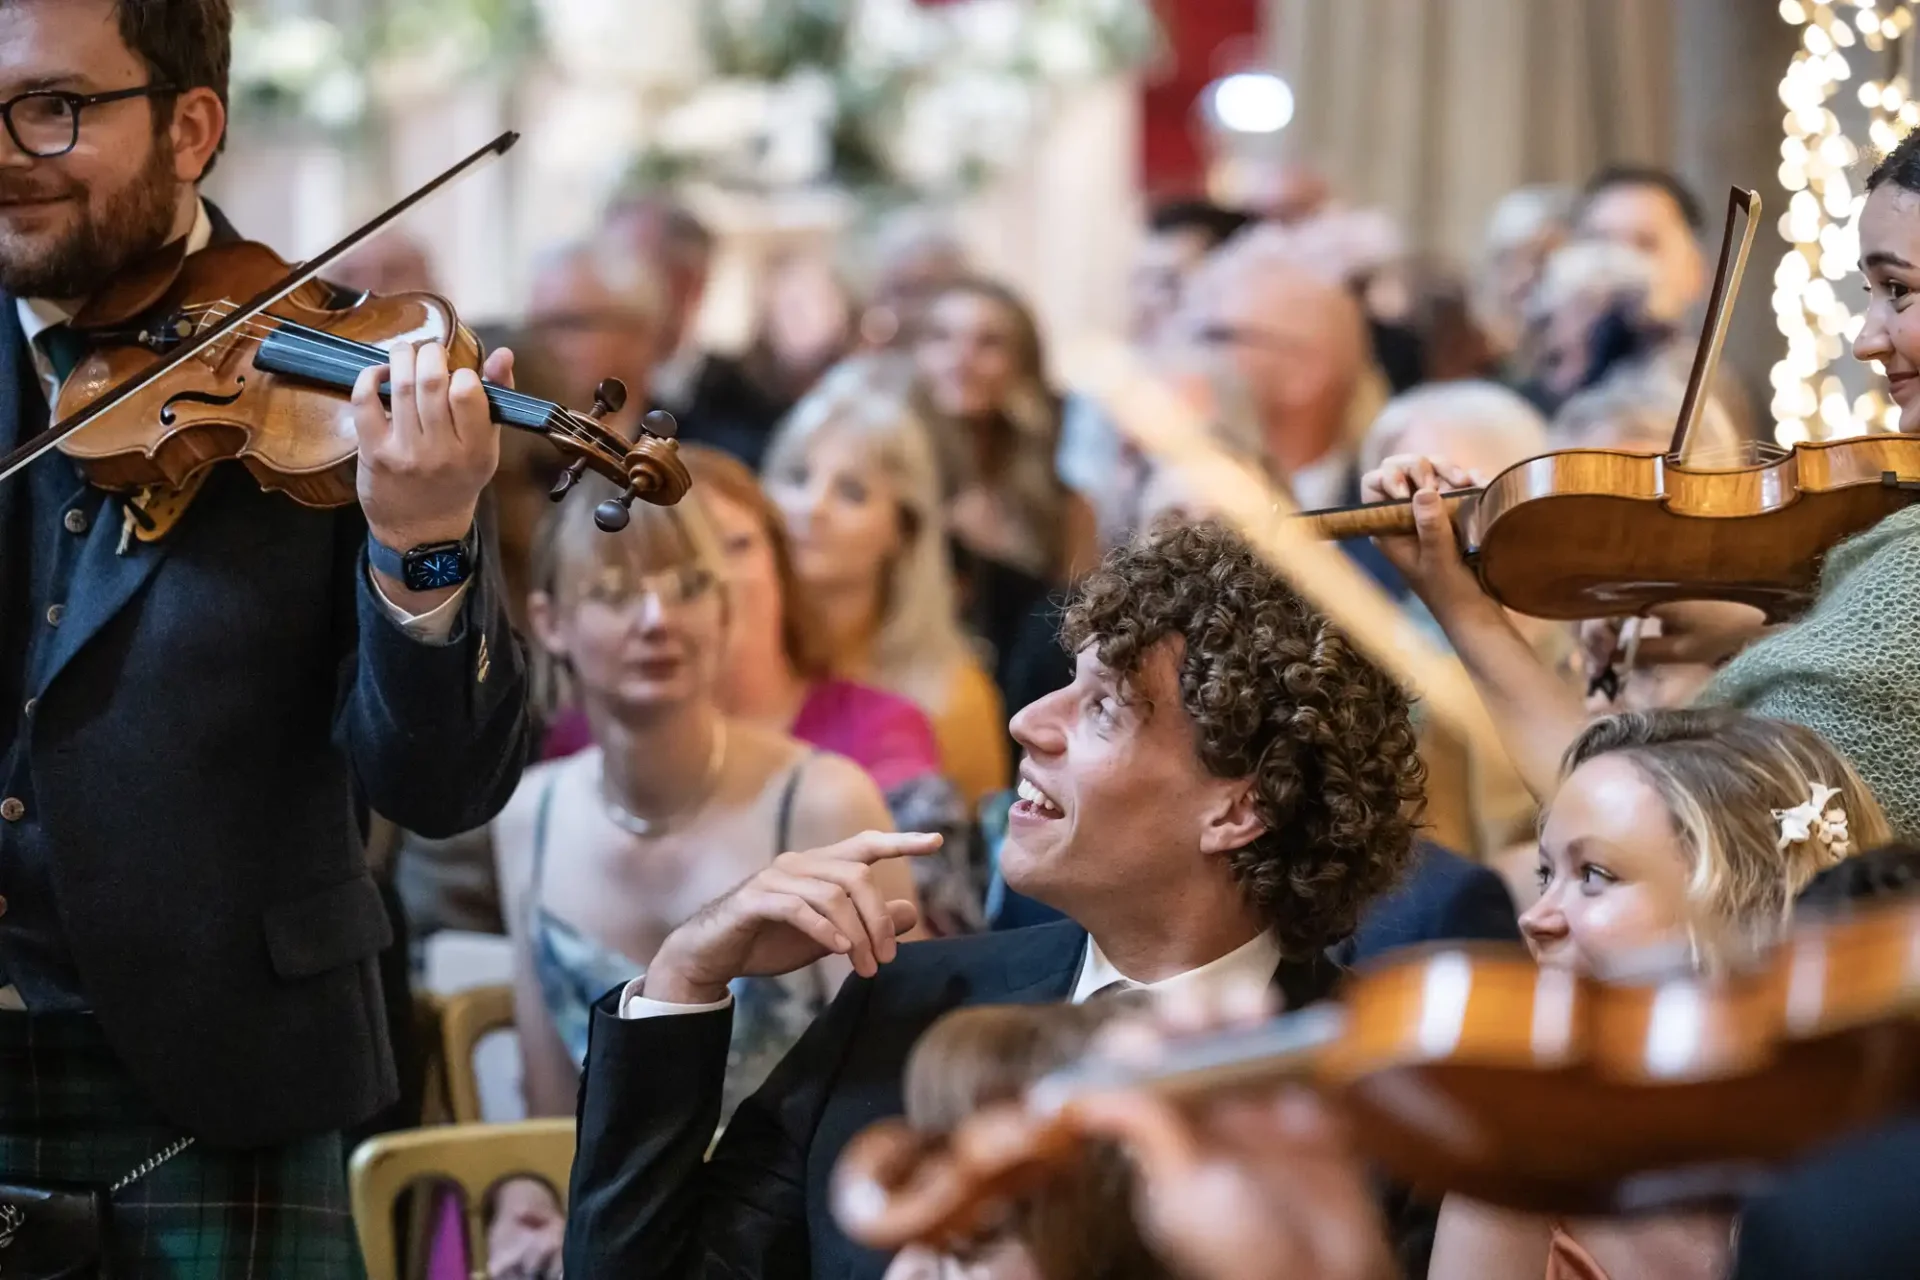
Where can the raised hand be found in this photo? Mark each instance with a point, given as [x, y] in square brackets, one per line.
[802, 907]
[423, 462]
[1430, 561]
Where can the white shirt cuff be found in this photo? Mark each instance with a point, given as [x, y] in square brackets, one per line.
[634, 1006]
[432, 627]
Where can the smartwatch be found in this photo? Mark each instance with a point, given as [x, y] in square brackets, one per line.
[429, 567]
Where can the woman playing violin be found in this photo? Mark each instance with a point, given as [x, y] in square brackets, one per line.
[1849, 667]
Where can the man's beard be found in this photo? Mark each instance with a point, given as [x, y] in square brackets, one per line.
[135, 222]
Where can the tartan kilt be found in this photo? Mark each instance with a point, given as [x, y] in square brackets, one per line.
[70, 1113]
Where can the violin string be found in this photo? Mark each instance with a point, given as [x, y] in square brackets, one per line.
[351, 358]
[318, 340]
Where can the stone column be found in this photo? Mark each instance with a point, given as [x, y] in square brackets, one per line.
[1729, 56]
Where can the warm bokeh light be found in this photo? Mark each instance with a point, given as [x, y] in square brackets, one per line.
[1820, 220]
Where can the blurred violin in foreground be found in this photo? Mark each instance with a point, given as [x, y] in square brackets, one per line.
[1470, 1069]
[230, 354]
[1593, 533]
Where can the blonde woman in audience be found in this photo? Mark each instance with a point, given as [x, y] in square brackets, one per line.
[1675, 833]
[603, 853]
[853, 472]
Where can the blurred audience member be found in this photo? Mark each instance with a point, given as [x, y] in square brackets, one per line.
[713, 397]
[806, 325]
[854, 473]
[1018, 530]
[915, 257]
[1650, 210]
[598, 310]
[1637, 409]
[1587, 317]
[1179, 237]
[603, 852]
[394, 262]
[1523, 231]
[778, 674]
[1300, 346]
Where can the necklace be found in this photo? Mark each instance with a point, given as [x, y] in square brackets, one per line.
[637, 825]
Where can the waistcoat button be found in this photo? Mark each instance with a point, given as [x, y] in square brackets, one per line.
[13, 809]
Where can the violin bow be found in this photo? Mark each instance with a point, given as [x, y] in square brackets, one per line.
[306, 271]
[1713, 333]
[1168, 429]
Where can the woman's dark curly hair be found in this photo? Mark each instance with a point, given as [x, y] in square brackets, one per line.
[1277, 694]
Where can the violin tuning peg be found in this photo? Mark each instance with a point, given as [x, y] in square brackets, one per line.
[659, 422]
[613, 515]
[609, 397]
[567, 479]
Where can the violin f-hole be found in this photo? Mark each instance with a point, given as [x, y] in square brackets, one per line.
[201, 397]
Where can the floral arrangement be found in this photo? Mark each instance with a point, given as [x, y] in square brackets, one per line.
[303, 67]
[901, 99]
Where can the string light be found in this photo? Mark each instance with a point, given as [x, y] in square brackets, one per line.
[1821, 221]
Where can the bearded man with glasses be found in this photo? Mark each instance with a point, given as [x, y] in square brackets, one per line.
[197, 712]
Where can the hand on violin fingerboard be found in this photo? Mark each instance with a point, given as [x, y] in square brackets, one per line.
[1243, 1186]
[424, 461]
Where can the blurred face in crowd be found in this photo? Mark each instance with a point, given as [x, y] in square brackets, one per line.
[1890, 250]
[69, 222]
[909, 283]
[1297, 344]
[1112, 790]
[645, 229]
[1612, 870]
[392, 263]
[640, 626]
[753, 581]
[1160, 271]
[969, 356]
[1646, 218]
[842, 510]
[588, 331]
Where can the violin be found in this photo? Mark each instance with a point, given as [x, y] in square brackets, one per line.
[229, 353]
[1588, 533]
[1468, 1068]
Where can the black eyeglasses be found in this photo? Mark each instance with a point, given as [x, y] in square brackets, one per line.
[46, 122]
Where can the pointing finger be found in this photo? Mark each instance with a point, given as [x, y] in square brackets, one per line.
[406, 418]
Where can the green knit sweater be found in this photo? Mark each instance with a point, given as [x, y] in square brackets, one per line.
[1849, 668]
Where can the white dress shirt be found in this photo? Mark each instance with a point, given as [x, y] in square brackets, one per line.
[37, 315]
[1250, 964]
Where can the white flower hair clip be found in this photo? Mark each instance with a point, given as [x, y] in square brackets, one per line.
[1815, 820]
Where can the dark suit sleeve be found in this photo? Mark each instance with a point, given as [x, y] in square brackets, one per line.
[1479, 907]
[644, 1203]
[438, 733]
[1852, 1212]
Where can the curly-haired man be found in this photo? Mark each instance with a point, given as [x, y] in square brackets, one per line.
[1223, 787]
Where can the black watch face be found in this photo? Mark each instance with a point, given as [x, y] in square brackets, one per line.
[432, 568]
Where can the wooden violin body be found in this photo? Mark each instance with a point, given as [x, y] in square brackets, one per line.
[224, 404]
[1592, 533]
[1470, 1069]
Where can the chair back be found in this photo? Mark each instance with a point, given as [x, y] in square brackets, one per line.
[474, 1157]
[466, 1018]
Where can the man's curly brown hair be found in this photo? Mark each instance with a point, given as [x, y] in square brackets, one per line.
[1277, 694]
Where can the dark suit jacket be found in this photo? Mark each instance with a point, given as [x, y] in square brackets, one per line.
[645, 1204]
[217, 714]
[1852, 1212]
[1443, 897]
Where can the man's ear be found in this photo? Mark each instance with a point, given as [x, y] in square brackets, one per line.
[199, 122]
[1233, 822]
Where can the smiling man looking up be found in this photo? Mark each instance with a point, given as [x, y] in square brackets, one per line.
[1220, 791]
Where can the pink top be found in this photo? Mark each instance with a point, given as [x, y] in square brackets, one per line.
[883, 733]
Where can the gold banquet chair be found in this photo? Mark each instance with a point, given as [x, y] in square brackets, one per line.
[473, 1157]
[466, 1018]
